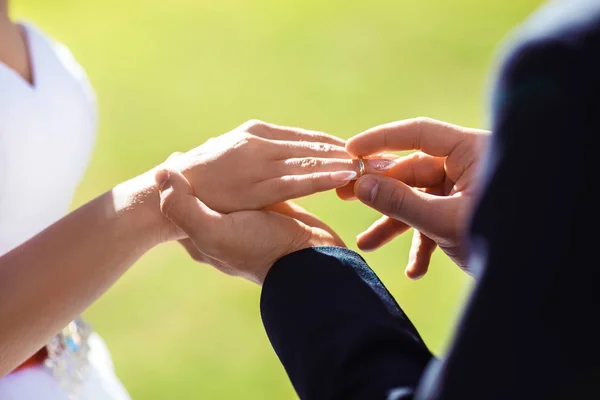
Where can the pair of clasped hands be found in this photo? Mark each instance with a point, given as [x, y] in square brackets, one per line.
[228, 200]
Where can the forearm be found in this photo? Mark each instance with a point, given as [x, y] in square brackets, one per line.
[337, 330]
[50, 279]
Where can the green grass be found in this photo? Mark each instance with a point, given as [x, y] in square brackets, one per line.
[169, 75]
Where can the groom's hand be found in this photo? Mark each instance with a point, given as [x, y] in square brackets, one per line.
[243, 243]
[431, 190]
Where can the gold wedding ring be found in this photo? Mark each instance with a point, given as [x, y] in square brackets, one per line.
[361, 167]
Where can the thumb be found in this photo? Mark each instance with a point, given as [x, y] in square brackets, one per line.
[178, 204]
[399, 201]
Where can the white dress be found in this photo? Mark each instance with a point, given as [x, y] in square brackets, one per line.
[46, 138]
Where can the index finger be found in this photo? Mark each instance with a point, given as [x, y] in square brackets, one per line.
[277, 132]
[430, 136]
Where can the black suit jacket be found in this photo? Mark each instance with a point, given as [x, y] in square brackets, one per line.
[529, 329]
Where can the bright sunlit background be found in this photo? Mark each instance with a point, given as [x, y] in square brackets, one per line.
[171, 74]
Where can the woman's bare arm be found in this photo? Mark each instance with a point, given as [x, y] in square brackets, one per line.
[52, 278]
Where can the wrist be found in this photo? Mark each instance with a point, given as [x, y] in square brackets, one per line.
[138, 201]
[319, 237]
[312, 237]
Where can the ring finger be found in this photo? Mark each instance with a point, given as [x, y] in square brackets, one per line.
[307, 165]
[283, 150]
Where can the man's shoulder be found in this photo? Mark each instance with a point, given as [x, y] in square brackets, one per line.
[567, 21]
[566, 24]
[558, 42]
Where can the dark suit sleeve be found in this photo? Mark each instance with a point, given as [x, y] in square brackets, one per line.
[529, 331]
[337, 330]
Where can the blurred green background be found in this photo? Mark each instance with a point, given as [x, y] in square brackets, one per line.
[169, 75]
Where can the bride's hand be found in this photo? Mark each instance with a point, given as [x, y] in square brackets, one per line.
[242, 243]
[251, 167]
[260, 164]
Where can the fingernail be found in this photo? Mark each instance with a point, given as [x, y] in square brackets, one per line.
[161, 178]
[366, 188]
[343, 176]
[381, 165]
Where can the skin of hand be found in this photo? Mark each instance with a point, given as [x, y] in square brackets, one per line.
[430, 190]
[53, 277]
[57, 274]
[260, 164]
[241, 243]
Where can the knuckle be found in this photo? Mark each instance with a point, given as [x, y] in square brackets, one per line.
[396, 200]
[255, 142]
[310, 163]
[250, 139]
[322, 147]
[423, 121]
[242, 139]
[461, 159]
[254, 126]
[419, 124]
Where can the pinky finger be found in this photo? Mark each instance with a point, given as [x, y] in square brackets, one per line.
[421, 250]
